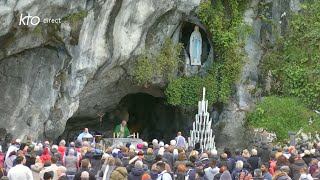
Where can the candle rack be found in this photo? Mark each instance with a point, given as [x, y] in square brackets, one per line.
[201, 129]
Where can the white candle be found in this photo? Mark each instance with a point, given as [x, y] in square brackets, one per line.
[206, 106]
[202, 107]
[204, 93]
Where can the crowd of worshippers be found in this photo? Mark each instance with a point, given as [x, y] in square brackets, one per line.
[156, 161]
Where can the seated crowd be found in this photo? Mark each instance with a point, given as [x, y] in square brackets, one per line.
[155, 161]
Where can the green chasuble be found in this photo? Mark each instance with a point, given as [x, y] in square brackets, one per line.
[123, 134]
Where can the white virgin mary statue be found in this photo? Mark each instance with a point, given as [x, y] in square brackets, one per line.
[195, 47]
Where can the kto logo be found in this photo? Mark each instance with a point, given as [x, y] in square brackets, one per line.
[26, 20]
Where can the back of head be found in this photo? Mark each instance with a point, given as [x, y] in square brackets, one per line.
[54, 147]
[62, 142]
[181, 168]
[155, 142]
[193, 158]
[161, 166]
[138, 164]
[238, 152]
[161, 143]
[72, 144]
[223, 155]
[111, 161]
[19, 159]
[213, 163]
[200, 173]
[62, 169]
[245, 153]
[173, 142]
[85, 175]
[54, 159]
[48, 175]
[254, 152]
[214, 152]
[239, 165]
[223, 168]
[47, 163]
[71, 152]
[85, 163]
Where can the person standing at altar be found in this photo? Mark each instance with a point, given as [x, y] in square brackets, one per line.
[121, 130]
[84, 134]
[181, 141]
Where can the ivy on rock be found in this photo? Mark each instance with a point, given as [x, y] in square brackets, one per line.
[163, 65]
[224, 21]
[295, 60]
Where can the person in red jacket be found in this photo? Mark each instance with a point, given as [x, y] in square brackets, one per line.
[62, 149]
[45, 155]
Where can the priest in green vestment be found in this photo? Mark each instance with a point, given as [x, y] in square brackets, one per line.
[121, 130]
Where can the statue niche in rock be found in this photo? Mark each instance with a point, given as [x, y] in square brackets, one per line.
[195, 47]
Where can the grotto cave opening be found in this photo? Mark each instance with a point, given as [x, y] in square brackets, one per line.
[151, 116]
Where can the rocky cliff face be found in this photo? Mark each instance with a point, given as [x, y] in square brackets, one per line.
[268, 20]
[81, 66]
[50, 72]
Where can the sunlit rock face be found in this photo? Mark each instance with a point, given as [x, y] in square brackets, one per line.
[51, 72]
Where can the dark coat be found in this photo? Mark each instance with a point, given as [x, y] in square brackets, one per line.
[264, 154]
[136, 174]
[169, 157]
[225, 162]
[217, 176]
[307, 159]
[295, 168]
[255, 162]
[149, 159]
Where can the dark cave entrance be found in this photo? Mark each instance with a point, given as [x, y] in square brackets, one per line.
[152, 117]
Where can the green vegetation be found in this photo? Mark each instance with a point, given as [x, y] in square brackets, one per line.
[164, 64]
[295, 59]
[283, 114]
[223, 20]
[74, 17]
[38, 29]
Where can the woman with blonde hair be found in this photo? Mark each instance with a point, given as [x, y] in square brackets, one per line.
[245, 154]
[194, 153]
